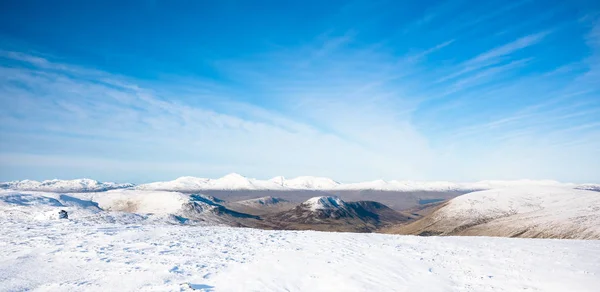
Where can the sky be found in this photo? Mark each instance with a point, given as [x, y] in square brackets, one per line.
[140, 91]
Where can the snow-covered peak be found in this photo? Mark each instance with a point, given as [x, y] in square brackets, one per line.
[324, 203]
[311, 182]
[234, 177]
[233, 181]
[183, 183]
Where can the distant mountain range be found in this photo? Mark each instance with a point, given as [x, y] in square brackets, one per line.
[233, 182]
[57, 185]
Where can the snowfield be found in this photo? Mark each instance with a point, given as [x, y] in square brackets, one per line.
[63, 255]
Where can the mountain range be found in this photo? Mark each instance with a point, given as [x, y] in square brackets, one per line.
[234, 181]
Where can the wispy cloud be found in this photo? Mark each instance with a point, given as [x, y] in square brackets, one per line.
[494, 56]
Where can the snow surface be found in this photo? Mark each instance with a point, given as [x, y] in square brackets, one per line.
[65, 255]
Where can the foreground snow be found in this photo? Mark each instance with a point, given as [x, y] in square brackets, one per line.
[60, 255]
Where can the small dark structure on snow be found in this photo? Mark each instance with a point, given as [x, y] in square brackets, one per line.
[62, 214]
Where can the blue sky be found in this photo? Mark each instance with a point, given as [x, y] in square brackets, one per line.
[354, 90]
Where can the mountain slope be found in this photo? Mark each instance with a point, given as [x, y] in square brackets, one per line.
[195, 207]
[261, 206]
[333, 214]
[548, 212]
[125, 206]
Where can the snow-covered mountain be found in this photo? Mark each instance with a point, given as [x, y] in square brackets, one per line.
[334, 214]
[324, 203]
[539, 211]
[56, 185]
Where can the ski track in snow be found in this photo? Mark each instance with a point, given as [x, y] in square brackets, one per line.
[62, 255]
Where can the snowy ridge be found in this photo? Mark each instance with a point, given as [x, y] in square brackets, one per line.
[540, 211]
[56, 185]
